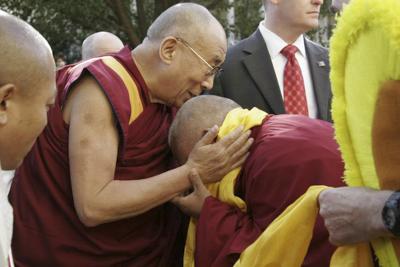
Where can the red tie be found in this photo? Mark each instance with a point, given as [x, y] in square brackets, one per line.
[293, 84]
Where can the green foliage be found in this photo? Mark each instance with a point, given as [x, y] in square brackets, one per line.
[248, 14]
[66, 23]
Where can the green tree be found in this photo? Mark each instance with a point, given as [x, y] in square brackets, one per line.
[248, 14]
[66, 23]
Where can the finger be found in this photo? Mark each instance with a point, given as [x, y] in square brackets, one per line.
[209, 137]
[232, 136]
[196, 181]
[240, 162]
[181, 201]
[177, 200]
[238, 143]
[241, 151]
[242, 144]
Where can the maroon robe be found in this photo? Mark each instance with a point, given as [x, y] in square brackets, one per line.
[290, 153]
[47, 230]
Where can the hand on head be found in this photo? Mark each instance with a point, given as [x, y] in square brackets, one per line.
[213, 160]
[190, 146]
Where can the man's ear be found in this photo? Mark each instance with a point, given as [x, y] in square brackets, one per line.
[167, 49]
[7, 92]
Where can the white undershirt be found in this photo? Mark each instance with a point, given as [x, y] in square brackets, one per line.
[6, 217]
[274, 45]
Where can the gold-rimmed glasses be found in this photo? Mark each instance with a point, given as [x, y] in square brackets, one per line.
[213, 70]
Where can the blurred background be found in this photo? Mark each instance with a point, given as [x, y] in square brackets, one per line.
[65, 24]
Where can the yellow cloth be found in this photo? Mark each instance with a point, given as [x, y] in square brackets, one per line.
[352, 256]
[285, 242]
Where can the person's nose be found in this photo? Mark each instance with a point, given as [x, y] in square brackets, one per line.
[208, 83]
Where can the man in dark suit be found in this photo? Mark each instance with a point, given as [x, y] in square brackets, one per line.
[254, 70]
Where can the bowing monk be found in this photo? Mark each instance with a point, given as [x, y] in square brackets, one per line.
[97, 183]
[289, 154]
[27, 89]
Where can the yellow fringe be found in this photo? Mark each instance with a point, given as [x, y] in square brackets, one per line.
[364, 23]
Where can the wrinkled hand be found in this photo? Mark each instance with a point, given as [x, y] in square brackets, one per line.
[353, 214]
[214, 160]
[193, 203]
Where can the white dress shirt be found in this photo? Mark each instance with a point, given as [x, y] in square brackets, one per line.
[6, 218]
[274, 45]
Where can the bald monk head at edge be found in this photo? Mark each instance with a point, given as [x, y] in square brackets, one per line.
[27, 88]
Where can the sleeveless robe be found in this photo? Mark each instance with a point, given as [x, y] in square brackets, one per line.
[47, 229]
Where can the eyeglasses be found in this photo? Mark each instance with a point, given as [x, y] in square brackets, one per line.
[213, 70]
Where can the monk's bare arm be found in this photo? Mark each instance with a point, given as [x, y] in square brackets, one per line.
[93, 148]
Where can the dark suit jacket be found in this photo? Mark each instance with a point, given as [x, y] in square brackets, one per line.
[249, 77]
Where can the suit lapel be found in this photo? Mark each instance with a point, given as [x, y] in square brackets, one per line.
[260, 68]
[319, 68]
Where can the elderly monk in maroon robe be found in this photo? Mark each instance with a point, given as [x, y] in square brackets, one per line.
[289, 154]
[94, 190]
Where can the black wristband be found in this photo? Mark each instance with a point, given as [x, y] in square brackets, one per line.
[391, 214]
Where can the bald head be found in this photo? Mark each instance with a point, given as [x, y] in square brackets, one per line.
[27, 88]
[25, 56]
[100, 43]
[193, 120]
[186, 20]
[184, 48]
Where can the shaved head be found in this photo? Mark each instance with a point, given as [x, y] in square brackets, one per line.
[185, 20]
[193, 120]
[27, 88]
[25, 56]
[100, 43]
